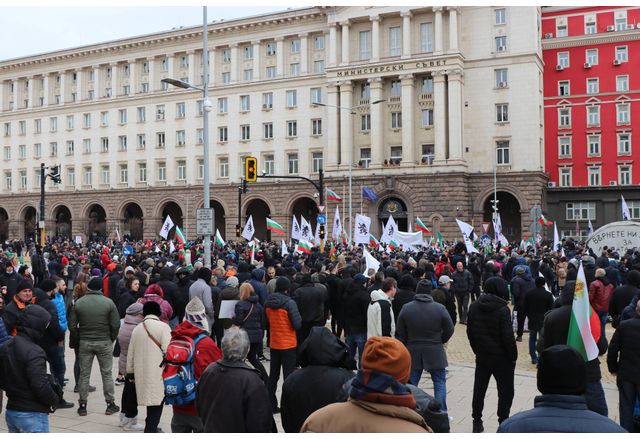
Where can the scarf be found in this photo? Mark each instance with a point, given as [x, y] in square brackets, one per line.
[372, 386]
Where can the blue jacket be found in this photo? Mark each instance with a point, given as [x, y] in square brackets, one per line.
[259, 287]
[559, 414]
[58, 301]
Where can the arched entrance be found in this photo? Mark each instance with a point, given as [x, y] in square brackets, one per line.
[96, 222]
[4, 224]
[172, 209]
[219, 213]
[395, 207]
[132, 222]
[509, 209]
[306, 207]
[62, 217]
[30, 223]
[260, 211]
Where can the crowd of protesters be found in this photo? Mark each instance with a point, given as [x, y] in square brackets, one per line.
[359, 373]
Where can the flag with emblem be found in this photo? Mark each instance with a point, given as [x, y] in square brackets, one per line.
[331, 195]
[166, 227]
[584, 326]
[295, 229]
[249, 230]
[337, 225]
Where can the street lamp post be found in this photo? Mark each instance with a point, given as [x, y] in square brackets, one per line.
[206, 106]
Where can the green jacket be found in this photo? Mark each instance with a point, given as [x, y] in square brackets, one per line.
[94, 317]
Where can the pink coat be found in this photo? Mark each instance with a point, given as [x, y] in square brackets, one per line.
[167, 310]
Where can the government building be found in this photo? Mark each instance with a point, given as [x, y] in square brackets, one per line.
[422, 105]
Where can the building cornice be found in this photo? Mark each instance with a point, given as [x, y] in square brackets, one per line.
[591, 40]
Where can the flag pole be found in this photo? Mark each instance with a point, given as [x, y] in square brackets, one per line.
[361, 197]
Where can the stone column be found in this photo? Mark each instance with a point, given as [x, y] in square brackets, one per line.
[377, 123]
[406, 34]
[333, 45]
[346, 124]
[332, 125]
[437, 30]
[114, 80]
[345, 43]
[453, 28]
[455, 114]
[2, 95]
[63, 87]
[97, 86]
[256, 59]
[279, 57]
[234, 62]
[30, 94]
[212, 67]
[408, 131]
[439, 116]
[304, 53]
[45, 89]
[14, 107]
[375, 38]
[170, 66]
[133, 77]
[191, 59]
[79, 85]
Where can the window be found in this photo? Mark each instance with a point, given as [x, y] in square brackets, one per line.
[592, 56]
[145, 67]
[271, 49]
[294, 69]
[593, 116]
[267, 101]
[7, 153]
[622, 83]
[109, 72]
[590, 27]
[622, 54]
[7, 180]
[269, 165]
[126, 89]
[200, 169]
[593, 143]
[37, 150]
[428, 153]
[271, 72]
[427, 85]
[292, 128]
[142, 114]
[22, 126]
[142, 172]
[621, 23]
[222, 105]
[396, 119]
[426, 37]
[292, 98]
[427, 118]
[122, 117]
[395, 41]
[23, 179]
[226, 55]
[501, 16]
[104, 118]
[53, 125]
[86, 146]
[90, 95]
[223, 167]
[563, 59]
[293, 163]
[365, 122]
[501, 78]
[180, 138]
[107, 92]
[267, 130]
[199, 136]
[226, 77]
[501, 43]
[104, 144]
[316, 162]
[316, 95]
[124, 174]
[37, 126]
[182, 170]
[248, 52]
[316, 127]
[223, 134]
[624, 144]
[594, 175]
[365, 157]
[199, 107]
[142, 141]
[561, 31]
[22, 151]
[71, 177]
[247, 74]
[624, 175]
[105, 174]
[593, 86]
[159, 112]
[564, 117]
[318, 42]
[70, 147]
[563, 88]
[295, 46]
[245, 132]
[87, 177]
[7, 129]
[245, 103]
[565, 177]
[53, 149]
[622, 114]
[502, 113]
[564, 146]
[180, 110]
[395, 154]
[502, 151]
[160, 140]
[396, 88]
[365, 90]
[162, 171]
[318, 66]
[86, 120]
[365, 45]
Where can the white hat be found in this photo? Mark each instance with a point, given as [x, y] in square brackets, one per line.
[195, 314]
[444, 280]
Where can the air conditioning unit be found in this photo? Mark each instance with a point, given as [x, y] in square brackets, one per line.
[502, 85]
[587, 65]
[551, 184]
[559, 67]
[613, 183]
[616, 62]
[502, 48]
[610, 28]
[630, 26]
[547, 36]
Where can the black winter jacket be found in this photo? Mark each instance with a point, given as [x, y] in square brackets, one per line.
[403, 296]
[520, 285]
[253, 323]
[623, 357]
[535, 305]
[489, 329]
[311, 302]
[355, 304]
[621, 297]
[53, 334]
[170, 289]
[182, 297]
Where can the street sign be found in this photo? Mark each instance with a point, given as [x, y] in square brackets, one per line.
[204, 221]
[322, 219]
[320, 209]
[127, 250]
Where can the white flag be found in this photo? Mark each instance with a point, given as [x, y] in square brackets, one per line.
[626, 215]
[361, 229]
[118, 234]
[409, 239]
[295, 229]
[305, 230]
[283, 249]
[337, 225]
[166, 227]
[316, 236]
[249, 230]
[589, 229]
[371, 262]
[157, 249]
[389, 232]
[172, 247]
[497, 227]
[556, 237]
[467, 232]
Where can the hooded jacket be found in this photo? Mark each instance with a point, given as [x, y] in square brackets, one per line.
[521, 285]
[157, 295]
[202, 290]
[600, 292]
[284, 319]
[11, 281]
[170, 289]
[380, 319]
[244, 272]
[355, 303]
[249, 315]
[489, 329]
[404, 294]
[124, 337]
[311, 302]
[53, 334]
[258, 285]
[182, 297]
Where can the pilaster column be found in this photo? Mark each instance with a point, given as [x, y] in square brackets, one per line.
[408, 131]
[377, 124]
[345, 43]
[30, 94]
[304, 53]
[453, 28]
[279, 57]
[133, 77]
[79, 85]
[437, 30]
[256, 59]
[97, 86]
[212, 67]
[375, 38]
[2, 95]
[455, 83]
[439, 124]
[332, 125]
[171, 66]
[333, 45]
[234, 62]
[151, 76]
[191, 59]
[114, 80]
[45, 89]
[14, 107]
[406, 34]
[346, 125]
[63, 87]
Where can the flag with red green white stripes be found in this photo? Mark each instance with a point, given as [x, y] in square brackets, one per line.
[304, 247]
[274, 227]
[421, 226]
[545, 222]
[331, 195]
[179, 236]
[373, 241]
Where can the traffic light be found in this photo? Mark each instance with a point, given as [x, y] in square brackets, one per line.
[238, 230]
[245, 188]
[55, 174]
[321, 231]
[251, 169]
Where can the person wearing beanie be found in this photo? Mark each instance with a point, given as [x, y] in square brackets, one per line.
[18, 303]
[562, 407]
[379, 399]
[424, 326]
[535, 305]
[149, 341]
[490, 334]
[9, 281]
[129, 402]
[623, 295]
[202, 289]
[380, 317]
[520, 285]
[600, 292]
[196, 327]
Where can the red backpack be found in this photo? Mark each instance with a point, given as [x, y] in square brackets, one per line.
[178, 372]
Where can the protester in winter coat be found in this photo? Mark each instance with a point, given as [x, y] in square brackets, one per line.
[9, 281]
[182, 297]
[149, 341]
[202, 290]
[129, 401]
[561, 408]
[311, 302]
[380, 401]
[520, 285]
[623, 295]
[249, 315]
[154, 293]
[231, 397]
[170, 289]
[15, 307]
[404, 294]
[258, 283]
[600, 291]
[229, 292]
[535, 305]
[129, 295]
[444, 296]
[326, 366]
[355, 304]
[462, 288]
[380, 318]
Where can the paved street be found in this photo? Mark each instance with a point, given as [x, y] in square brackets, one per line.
[459, 394]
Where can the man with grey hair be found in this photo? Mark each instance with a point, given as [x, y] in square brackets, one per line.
[231, 396]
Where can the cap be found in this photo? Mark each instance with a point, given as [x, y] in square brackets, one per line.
[444, 280]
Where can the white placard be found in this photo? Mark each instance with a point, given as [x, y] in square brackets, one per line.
[227, 309]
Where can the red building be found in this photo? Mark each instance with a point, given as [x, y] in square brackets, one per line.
[591, 96]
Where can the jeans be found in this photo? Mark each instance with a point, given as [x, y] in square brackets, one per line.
[533, 338]
[27, 422]
[56, 364]
[181, 423]
[602, 315]
[628, 393]
[520, 317]
[356, 340]
[503, 372]
[595, 398]
[102, 350]
[285, 358]
[462, 298]
[252, 357]
[439, 379]
[61, 359]
[154, 413]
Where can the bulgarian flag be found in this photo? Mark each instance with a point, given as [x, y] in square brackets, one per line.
[219, 241]
[584, 326]
[274, 227]
[179, 236]
[304, 247]
[439, 242]
[392, 244]
[420, 226]
[331, 195]
[373, 241]
[343, 237]
[332, 249]
[545, 222]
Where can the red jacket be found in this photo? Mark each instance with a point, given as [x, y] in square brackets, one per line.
[600, 294]
[207, 352]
